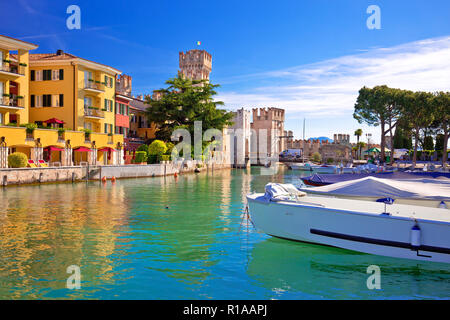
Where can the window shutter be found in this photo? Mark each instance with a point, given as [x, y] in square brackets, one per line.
[61, 100]
[61, 74]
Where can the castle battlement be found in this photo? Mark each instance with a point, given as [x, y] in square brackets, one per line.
[195, 64]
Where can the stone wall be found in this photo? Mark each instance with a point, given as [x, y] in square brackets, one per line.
[74, 174]
[41, 175]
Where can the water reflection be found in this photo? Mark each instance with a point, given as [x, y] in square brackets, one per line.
[43, 230]
[317, 272]
[176, 238]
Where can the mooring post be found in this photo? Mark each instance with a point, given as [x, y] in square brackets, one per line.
[5, 180]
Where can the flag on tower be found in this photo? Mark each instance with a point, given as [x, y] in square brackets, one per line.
[199, 43]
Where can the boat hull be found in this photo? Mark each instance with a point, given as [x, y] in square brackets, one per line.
[368, 233]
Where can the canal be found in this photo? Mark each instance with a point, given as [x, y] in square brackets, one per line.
[180, 238]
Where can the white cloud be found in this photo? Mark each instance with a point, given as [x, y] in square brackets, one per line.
[331, 87]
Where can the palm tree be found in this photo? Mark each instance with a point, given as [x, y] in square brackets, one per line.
[358, 134]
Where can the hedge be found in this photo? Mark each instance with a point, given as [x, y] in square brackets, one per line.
[140, 156]
[17, 160]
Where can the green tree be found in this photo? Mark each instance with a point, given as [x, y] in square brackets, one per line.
[358, 134]
[418, 112]
[182, 103]
[428, 143]
[441, 110]
[379, 106]
[157, 148]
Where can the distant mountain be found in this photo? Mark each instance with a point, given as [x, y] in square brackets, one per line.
[322, 139]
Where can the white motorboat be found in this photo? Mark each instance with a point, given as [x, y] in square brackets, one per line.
[400, 231]
[433, 193]
[316, 168]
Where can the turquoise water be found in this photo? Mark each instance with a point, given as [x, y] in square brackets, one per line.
[184, 238]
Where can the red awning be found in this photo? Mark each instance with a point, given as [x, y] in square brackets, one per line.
[106, 149]
[54, 120]
[51, 148]
[82, 149]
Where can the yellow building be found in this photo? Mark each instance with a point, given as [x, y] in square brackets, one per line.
[14, 80]
[77, 91]
[57, 91]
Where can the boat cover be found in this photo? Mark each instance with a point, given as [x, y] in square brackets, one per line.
[330, 179]
[282, 192]
[424, 189]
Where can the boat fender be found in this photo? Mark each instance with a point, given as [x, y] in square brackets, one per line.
[104, 179]
[442, 205]
[415, 237]
[113, 179]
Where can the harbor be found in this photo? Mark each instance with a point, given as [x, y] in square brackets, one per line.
[180, 238]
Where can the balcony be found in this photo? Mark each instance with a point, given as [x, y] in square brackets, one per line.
[12, 71]
[93, 113]
[11, 103]
[94, 87]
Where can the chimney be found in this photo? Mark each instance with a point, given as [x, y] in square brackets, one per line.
[59, 52]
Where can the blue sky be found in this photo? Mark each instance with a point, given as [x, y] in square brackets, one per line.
[309, 57]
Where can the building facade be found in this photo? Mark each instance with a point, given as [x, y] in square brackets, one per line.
[123, 99]
[52, 91]
[241, 138]
[14, 80]
[268, 126]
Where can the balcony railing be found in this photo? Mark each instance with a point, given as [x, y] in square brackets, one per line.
[6, 67]
[90, 112]
[94, 86]
[11, 102]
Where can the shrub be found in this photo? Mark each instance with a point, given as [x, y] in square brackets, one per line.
[30, 127]
[170, 147]
[140, 156]
[165, 157]
[152, 158]
[157, 147]
[17, 160]
[330, 160]
[143, 147]
[316, 157]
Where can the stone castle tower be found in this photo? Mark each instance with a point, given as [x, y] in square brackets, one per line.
[272, 120]
[195, 64]
[123, 84]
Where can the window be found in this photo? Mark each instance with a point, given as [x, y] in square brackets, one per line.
[32, 101]
[38, 75]
[106, 128]
[1, 118]
[38, 101]
[56, 100]
[111, 128]
[87, 101]
[47, 75]
[32, 75]
[47, 100]
[61, 74]
[61, 100]
[55, 74]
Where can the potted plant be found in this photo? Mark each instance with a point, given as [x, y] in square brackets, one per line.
[29, 128]
[6, 61]
[61, 133]
[87, 134]
[23, 64]
[91, 80]
[6, 95]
